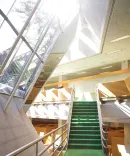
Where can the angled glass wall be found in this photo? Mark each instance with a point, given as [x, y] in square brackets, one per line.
[28, 28]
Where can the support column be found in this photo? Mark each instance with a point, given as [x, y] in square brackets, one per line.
[127, 138]
[60, 123]
[125, 64]
[60, 79]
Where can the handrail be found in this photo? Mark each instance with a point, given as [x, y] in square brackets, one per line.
[70, 112]
[105, 99]
[103, 133]
[50, 102]
[23, 148]
[35, 142]
[44, 150]
[59, 145]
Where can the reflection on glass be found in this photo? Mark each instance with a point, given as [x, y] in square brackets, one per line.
[20, 12]
[7, 37]
[14, 70]
[48, 37]
[18, 15]
[30, 74]
[38, 22]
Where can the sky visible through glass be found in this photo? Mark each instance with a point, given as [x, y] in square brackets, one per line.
[55, 7]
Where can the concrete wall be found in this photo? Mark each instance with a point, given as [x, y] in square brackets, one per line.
[16, 129]
[49, 111]
[116, 112]
[85, 90]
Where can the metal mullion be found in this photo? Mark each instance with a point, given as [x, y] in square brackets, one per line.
[17, 33]
[34, 81]
[8, 12]
[28, 63]
[48, 52]
[20, 35]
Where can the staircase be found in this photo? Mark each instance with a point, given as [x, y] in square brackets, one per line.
[84, 138]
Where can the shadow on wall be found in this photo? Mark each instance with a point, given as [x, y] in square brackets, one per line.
[117, 89]
[86, 96]
[115, 100]
[51, 104]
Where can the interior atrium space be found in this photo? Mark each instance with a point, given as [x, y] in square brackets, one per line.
[64, 77]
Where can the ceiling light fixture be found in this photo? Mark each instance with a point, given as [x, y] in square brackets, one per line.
[104, 72]
[106, 67]
[121, 38]
[82, 73]
[114, 51]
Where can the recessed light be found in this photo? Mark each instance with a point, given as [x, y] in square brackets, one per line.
[104, 72]
[120, 38]
[106, 67]
[114, 51]
[82, 73]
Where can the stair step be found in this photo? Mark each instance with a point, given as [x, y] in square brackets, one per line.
[85, 124]
[87, 141]
[85, 107]
[85, 102]
[85, 128]
[87, 136]
[84, 146]
[84, 131]
[85, 116]
[84, 120]
[84, 113]
[85, 110]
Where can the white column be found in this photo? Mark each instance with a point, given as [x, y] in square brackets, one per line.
[127, 138]
[60, 79]
[60, 123]
[125, 64]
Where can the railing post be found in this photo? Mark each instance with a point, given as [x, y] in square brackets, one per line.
[37, 149]
[53, 139]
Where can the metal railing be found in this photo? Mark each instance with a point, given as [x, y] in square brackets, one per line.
[35, 142]
[64, 140]
[70, 112]
[104, 138]
[51, 102]
[104, 133]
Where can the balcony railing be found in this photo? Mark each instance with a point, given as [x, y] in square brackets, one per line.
[65, 128]
[103, 132]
